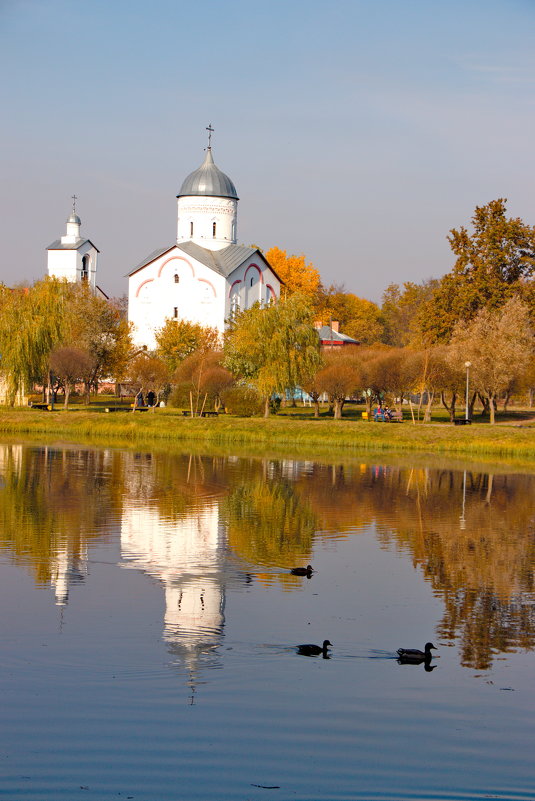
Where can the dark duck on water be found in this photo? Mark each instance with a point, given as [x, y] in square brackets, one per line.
[415, 655]
[314, 650]
[302, 571]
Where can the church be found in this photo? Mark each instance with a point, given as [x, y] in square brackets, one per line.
[205, 276]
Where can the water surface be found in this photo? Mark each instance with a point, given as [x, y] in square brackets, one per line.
[150, 621]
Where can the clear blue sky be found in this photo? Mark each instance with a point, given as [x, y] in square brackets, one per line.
[356, 132]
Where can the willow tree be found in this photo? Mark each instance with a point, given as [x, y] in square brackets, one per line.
[275, 348]
[32, 324]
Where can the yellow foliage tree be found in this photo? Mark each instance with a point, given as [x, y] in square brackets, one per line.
[298, 276]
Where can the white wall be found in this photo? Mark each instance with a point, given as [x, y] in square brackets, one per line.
[203, 212]
[153, 295]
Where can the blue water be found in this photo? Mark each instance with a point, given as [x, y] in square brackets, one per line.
[160, 663]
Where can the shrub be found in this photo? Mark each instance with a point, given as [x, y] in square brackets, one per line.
[243, 401]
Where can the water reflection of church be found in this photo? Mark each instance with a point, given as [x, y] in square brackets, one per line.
[186, 553]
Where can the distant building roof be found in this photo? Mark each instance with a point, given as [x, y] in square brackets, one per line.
[57, 244]
[328, 336]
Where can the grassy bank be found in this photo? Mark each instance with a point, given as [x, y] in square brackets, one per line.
[282, 433]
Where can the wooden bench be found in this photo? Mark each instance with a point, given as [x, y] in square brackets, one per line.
[187, 413]
[140, 408]
[365, 416]
[45, 407]
[461, 421]
[394, 417]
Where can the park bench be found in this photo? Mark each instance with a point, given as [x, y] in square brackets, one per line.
[45, 407]
[187, 413]
[461, 421]
[393, 417]
[365, 416]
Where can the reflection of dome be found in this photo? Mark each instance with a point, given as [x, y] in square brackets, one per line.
[208, 181]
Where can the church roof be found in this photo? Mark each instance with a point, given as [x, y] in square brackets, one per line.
[208, 181]
[57, 244]
[223, 261]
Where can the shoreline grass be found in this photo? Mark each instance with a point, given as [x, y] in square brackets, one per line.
[279, 434]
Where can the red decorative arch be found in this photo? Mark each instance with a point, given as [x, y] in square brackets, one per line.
[205, 281]
[176, 258]
[259, 272]
[232, 287]
[273, 295]
[142, 284]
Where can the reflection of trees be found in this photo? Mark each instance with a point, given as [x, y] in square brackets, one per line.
[268, 522]
[480, 561]
[472, 534]
[52, 501]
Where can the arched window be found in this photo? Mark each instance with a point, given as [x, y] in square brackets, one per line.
[252, 281]
[191, 229]
[177, 279]
[85, 268]
[175, 312]
[213, 229]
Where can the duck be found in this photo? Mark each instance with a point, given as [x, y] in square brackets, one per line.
[302, 571]
[309, 649]
[415, 654]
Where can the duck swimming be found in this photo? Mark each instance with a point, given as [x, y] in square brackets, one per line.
[314, 650]
[302, 571]
[415, 654]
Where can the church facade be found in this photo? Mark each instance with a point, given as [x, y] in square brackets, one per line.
[205, 276]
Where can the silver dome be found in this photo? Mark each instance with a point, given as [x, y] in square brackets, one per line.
[209, 181]
[74, 218]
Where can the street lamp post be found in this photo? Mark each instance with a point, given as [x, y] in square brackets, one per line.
[467, 365]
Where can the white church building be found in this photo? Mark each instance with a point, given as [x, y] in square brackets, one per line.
[206, 275]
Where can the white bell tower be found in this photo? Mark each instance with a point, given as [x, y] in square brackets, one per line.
[72, 257]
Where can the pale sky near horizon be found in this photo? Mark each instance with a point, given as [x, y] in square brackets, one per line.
[356, 132]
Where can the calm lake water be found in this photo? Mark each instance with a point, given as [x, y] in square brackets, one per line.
[149, 629]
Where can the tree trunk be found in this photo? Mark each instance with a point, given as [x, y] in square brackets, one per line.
[451, 407]
[67, 394]
[316, 408]
[471, 405]
[506, 401]
[492, 408]
[427, 413]
[338, 406]
[266, 407]
[486, 406]
[531, 393]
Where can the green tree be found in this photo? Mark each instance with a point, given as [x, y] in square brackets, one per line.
[273, 347]
[493, 263]
[32, 323]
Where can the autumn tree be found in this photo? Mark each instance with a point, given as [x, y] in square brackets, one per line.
[178, 338]
[339, 379]
[492, 265]
[297, 275]
[100, 327]
[358, 318]
[401, 310]
[149, 374]
[71, 366]
[499, 343]
[273, 347]
[201, 378]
